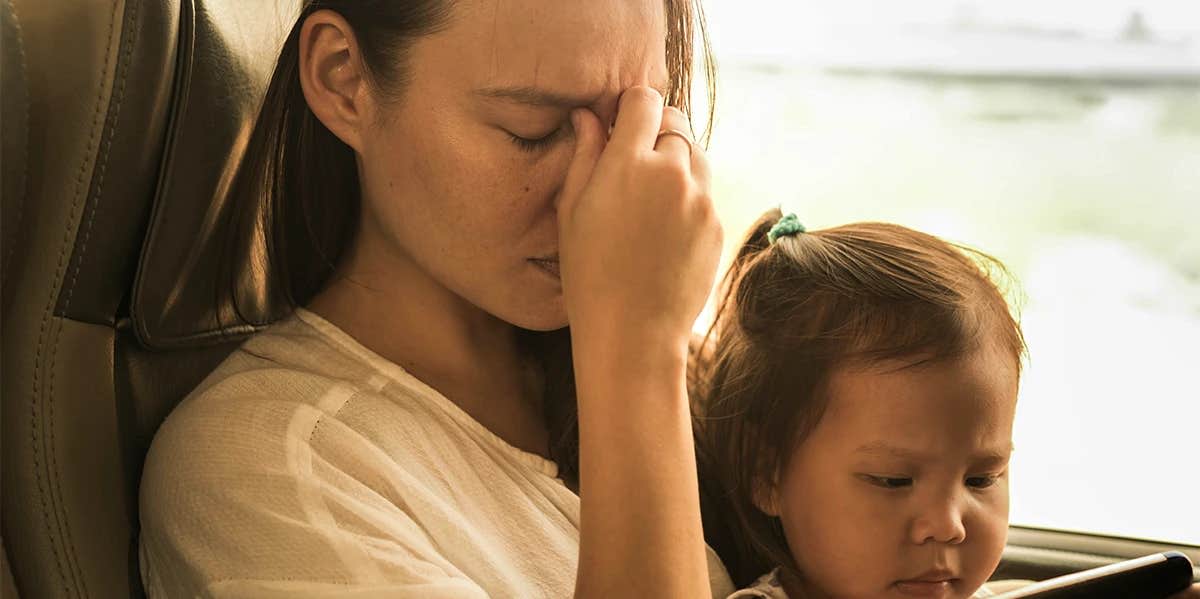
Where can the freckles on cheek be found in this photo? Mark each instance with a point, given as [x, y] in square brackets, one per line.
[448, 175]
[523, 179]
[434, 143]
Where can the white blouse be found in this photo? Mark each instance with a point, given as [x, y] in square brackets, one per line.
[308, 466]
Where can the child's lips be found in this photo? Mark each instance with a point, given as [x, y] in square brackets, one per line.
[933, 586]
[936, 583]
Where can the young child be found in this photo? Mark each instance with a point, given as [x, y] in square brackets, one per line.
[859, 387]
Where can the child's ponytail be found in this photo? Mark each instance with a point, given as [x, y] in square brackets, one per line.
[751, 250]
[758, 239]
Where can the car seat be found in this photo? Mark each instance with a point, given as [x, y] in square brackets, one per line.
[124, 122]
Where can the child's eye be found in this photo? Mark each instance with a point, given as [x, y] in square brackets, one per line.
[534, 144]
[888, 482]
[982, 482]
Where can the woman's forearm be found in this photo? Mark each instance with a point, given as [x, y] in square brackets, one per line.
[640, 534]
[639, 244]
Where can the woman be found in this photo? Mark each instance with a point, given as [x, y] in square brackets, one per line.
[442, 194]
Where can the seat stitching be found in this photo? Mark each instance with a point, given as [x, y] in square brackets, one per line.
[24, 146]
[47, 313]
[129, 25]
[104, 153]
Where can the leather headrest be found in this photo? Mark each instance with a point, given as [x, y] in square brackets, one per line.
[227, 53]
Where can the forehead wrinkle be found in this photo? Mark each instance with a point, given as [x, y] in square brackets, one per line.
[584, 53]
[549, 82]
[532, 95]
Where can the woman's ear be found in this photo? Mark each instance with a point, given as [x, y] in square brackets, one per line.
[331, 76]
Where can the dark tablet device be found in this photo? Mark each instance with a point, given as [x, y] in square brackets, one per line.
[1151, 577]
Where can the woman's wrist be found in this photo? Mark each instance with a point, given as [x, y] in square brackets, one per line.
[652, 346]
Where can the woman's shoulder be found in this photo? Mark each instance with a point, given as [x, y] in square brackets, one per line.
[288, 384]
[301, 359]
[287, 350]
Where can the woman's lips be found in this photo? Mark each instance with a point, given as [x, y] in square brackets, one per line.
[550, 265]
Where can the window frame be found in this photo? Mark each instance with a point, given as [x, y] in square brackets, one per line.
[1041, 553]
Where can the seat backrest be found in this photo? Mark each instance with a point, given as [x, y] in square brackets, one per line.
[138, 116]
[14, 141]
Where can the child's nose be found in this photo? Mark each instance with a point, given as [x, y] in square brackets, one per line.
[939, 522]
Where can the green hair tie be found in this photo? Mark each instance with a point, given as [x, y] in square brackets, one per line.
[786, 227]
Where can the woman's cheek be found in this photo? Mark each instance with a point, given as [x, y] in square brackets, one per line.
[539, 176]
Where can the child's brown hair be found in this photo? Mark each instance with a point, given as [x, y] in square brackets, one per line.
[794, 310]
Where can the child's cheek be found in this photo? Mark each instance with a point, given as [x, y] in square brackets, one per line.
[987, 530]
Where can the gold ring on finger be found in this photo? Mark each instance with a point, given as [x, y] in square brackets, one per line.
[676, 132]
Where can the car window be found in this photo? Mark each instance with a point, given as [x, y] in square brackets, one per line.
[1062, 138]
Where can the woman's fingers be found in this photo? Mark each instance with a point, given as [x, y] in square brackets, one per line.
[639, 114]
[589, 145]
[674, 137]
[700, 169]
[643, 209]
[680, 144]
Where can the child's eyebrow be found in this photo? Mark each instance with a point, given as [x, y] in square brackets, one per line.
[881, 448]
[989, 457]
[886, 449]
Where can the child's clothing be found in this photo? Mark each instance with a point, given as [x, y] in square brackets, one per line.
[306, 465]
[768, 587]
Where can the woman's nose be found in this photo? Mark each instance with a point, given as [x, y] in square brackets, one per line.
[939, 522]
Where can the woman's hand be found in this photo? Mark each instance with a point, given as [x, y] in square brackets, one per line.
[638, 250]
[639, 240]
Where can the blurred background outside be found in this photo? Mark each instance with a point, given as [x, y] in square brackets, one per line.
[1061, 137]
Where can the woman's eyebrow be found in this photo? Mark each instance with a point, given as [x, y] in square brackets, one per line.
[534, 96]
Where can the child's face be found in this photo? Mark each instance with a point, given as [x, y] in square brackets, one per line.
[901, 490]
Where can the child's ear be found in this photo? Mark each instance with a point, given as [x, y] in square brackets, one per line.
[766, 496]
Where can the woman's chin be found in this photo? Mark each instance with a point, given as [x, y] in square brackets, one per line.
[544, 315]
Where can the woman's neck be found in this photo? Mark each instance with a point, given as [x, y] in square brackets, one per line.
[412, 320]
[473, 358]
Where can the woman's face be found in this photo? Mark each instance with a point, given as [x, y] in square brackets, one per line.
[461, 174]
[902, 488]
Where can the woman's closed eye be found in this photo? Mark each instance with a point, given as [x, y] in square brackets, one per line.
[533, 144]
